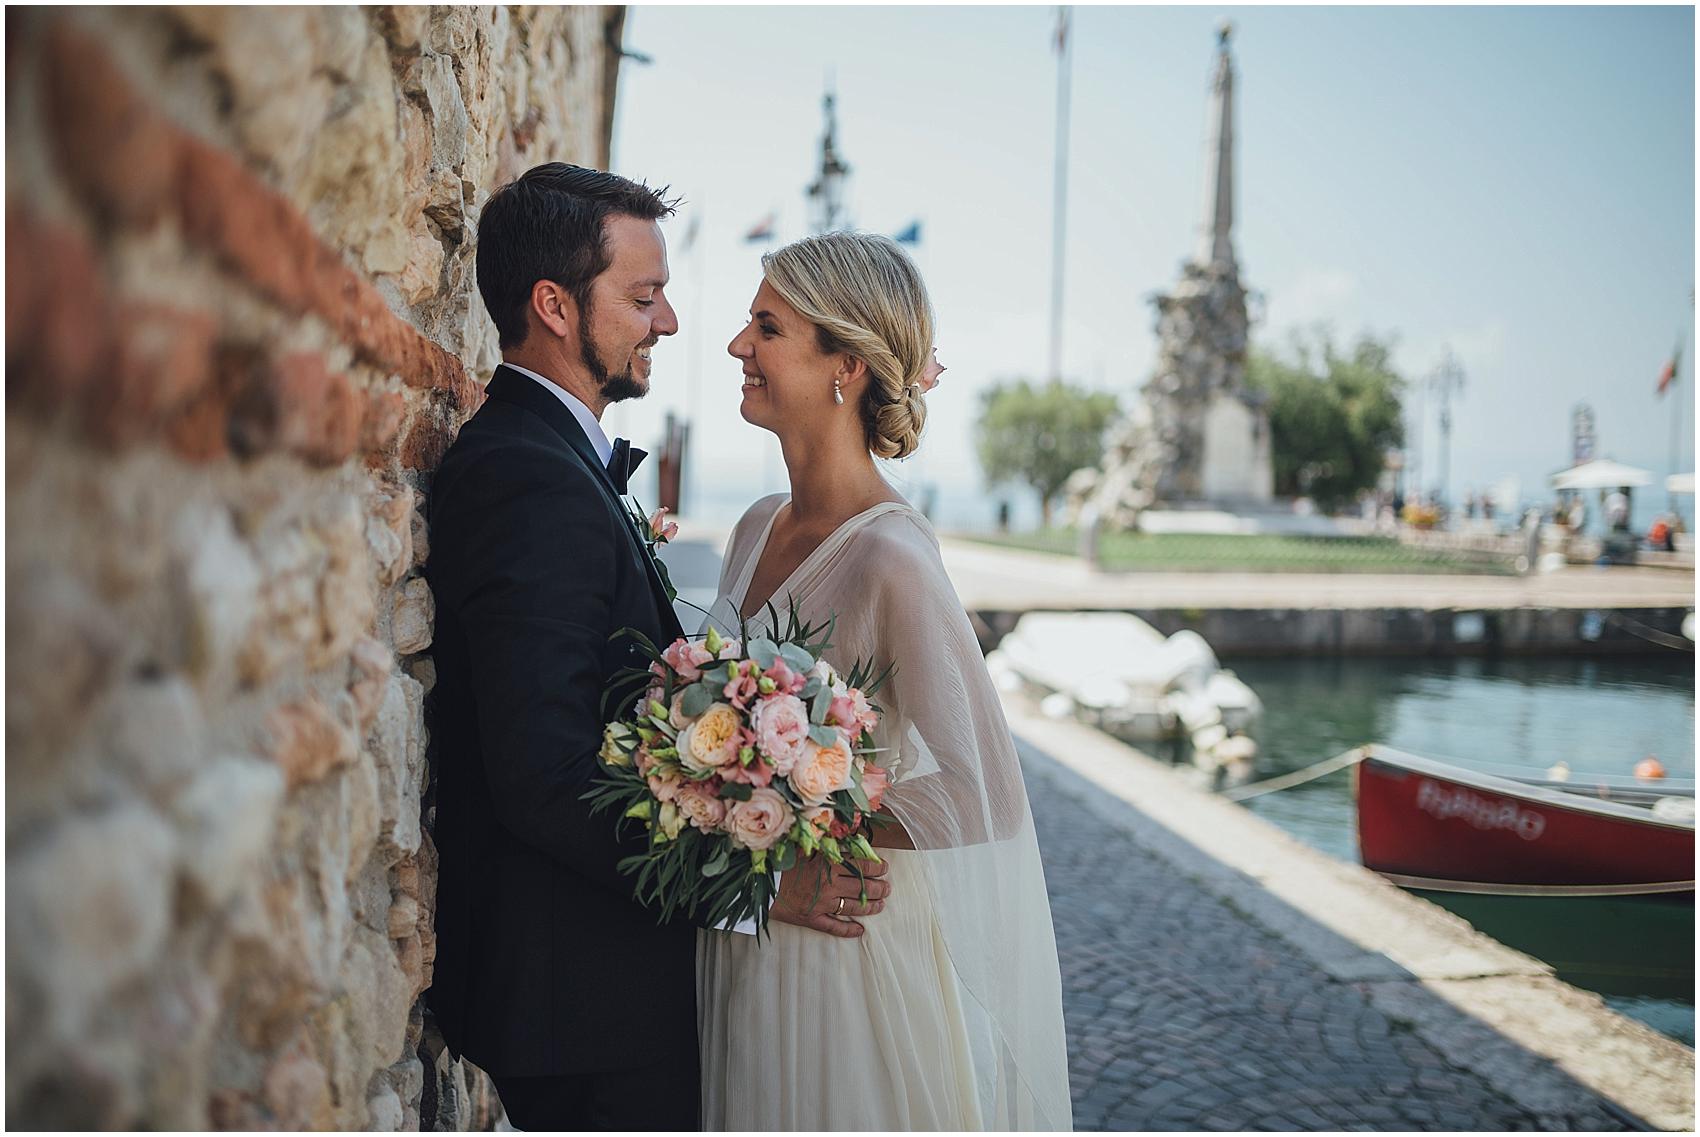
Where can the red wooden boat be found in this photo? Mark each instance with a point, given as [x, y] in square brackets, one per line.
[1433, 825]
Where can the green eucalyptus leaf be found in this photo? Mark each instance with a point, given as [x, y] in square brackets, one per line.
[736, 791]
[823, 735]
[799, 660]
[822, 704]
[764, 651]
[698, 698]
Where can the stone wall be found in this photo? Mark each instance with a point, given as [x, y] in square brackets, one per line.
[241, 328]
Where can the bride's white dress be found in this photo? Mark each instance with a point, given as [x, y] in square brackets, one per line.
[947, 1013]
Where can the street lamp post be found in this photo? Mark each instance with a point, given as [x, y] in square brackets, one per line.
[1059, 193]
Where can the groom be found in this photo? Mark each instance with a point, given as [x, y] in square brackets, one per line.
[580, 1006]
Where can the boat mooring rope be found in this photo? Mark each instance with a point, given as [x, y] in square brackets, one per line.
[1298, 777]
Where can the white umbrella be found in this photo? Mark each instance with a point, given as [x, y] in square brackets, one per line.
[1680, 483]
[1601, 474]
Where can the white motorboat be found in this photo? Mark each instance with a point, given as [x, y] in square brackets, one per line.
[1118, 673]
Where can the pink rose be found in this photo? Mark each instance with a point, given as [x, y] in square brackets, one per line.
[781, 724]
[687, 659]
[700, 805]
[822, 771]
[760, 822]
[875, 781]
[730, 649]
[785, 680]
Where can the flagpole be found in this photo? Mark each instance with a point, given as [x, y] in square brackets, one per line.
[693, 380]
[1059, 202]
[1675, 424]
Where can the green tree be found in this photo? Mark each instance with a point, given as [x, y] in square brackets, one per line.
[1333, 415]
[1040, 434]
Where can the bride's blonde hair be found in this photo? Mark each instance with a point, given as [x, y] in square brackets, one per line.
[865, 298]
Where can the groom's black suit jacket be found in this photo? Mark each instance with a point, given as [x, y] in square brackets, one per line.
[545, 965]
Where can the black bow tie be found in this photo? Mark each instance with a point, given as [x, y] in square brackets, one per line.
[623, 463]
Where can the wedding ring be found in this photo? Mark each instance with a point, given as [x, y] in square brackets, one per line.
[840, 911]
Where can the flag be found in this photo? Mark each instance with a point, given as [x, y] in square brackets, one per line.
[911, 235]
[1668, 375]
[1062, 29]
[763, 230]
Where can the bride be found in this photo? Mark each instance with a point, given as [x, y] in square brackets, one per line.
[945, 1012]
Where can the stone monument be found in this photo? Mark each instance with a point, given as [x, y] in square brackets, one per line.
[1197, 434]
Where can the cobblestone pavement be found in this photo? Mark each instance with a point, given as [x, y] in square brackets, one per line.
[1184, 1014]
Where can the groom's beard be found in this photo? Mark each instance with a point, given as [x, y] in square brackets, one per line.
[614, 387]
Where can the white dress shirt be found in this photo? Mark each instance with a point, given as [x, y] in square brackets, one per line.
[592, 426]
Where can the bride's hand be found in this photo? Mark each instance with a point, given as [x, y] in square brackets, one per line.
[827, 898]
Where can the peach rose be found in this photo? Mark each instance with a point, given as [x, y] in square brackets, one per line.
[704, 745]
[781, 723]
[822, 771]
[697, 801]
[760, 822]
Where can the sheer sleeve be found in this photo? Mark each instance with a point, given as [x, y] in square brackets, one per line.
[958, 780]
[959, 793]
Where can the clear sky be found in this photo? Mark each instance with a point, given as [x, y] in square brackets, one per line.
[1515, 182]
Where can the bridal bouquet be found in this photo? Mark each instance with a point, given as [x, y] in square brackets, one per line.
[739, 757]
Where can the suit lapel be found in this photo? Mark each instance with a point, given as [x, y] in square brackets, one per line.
[513, 387]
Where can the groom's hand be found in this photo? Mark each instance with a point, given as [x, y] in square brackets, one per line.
[826, 897]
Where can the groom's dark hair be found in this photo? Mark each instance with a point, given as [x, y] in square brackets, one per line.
[548, 225]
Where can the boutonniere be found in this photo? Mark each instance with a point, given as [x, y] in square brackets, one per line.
[656, 531]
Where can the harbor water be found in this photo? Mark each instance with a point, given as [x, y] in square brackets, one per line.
[1596, 715]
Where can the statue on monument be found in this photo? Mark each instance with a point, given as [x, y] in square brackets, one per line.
[1197, 433]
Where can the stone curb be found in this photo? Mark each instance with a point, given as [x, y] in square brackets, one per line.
[1543, 1043]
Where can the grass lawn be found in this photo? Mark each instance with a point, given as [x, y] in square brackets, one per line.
[1209, 552]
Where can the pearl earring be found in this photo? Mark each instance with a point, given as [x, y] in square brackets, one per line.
[837, 393]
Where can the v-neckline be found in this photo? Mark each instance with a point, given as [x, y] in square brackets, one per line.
[754, 561]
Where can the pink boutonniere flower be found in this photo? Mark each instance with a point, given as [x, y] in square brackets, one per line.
[662, 530]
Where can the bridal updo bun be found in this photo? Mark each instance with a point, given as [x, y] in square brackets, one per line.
[865, 298]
